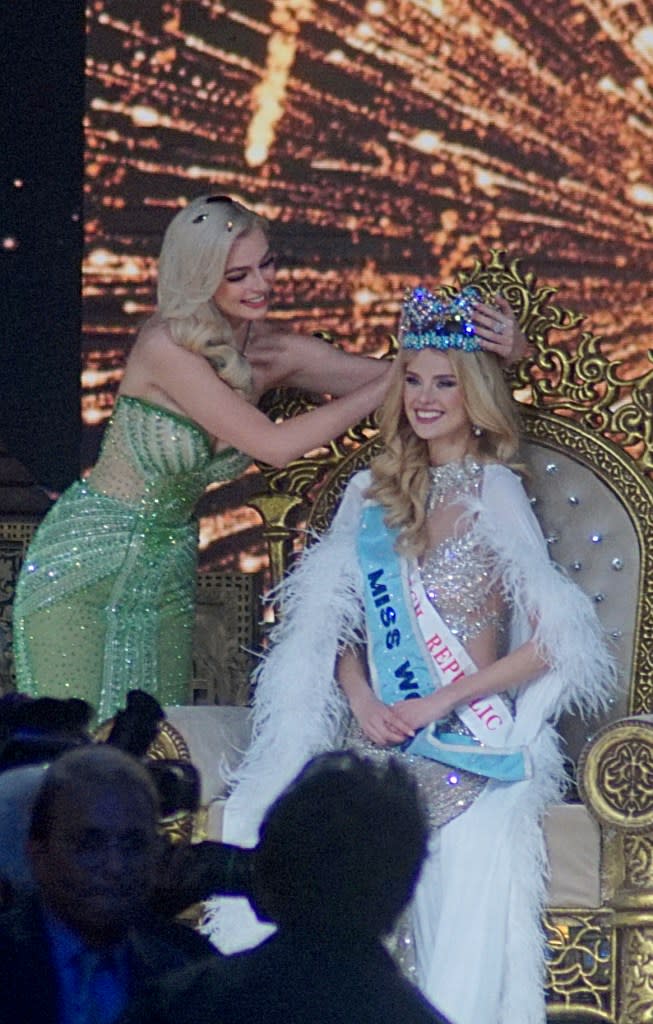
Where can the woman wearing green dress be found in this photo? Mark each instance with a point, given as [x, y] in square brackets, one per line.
[105, 599]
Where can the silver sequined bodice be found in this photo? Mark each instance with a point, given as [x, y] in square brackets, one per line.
[459, 574]
[459, 578]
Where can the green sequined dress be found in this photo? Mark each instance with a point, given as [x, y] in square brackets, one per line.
[105, 599]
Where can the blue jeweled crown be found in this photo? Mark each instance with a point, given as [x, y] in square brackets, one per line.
[434, 321]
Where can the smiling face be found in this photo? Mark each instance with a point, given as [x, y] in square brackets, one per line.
[245, 289]
[434, 406]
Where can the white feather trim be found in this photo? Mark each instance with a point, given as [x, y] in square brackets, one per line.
[299, 709]
[546, 604]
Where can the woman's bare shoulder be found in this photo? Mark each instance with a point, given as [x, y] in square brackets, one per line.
[153, 332]
[155, 343]
[153, 356]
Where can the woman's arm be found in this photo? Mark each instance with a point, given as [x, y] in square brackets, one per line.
[518, 668]
[183, 379]
[378, 721]
[312, 364]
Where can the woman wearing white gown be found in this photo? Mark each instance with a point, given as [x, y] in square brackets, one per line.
[430, 624]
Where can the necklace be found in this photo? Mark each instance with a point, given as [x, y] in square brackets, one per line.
[453, 478]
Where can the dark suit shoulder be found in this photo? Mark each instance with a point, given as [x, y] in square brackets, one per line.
[28, 987]
[22, 923]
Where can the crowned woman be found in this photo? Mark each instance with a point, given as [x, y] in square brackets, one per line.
[429, 624]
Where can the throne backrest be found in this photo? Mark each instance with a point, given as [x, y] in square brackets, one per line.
[592, 536]
[587, 445]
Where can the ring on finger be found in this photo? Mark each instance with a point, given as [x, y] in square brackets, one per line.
[499, 328]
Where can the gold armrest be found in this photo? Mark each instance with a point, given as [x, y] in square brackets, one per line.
[615, 774]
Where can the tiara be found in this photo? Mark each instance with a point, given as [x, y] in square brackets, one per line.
[434, 321]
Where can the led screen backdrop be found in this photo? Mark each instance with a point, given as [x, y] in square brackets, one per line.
[388, 142]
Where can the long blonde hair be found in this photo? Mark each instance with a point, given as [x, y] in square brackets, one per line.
[192, 262]
[400, 473]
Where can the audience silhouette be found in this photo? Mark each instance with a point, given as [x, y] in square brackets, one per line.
[338, 858]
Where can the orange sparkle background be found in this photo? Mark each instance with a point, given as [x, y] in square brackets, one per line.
[389, 143]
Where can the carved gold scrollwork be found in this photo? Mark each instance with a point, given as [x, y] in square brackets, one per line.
[530, 301]
[636, 976]
[168, 743]
[615, 774]
[328, 498]
[638, 859]
[579, 974]
[626, 778]
[275, 510]
[576, 380]
[634, 420]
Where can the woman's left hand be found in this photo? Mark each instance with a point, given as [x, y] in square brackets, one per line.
[498, 331]
[421, 711]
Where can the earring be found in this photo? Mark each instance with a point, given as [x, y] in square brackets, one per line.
[476, 430]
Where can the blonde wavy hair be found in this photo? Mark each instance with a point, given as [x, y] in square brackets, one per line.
[192, 262]
[400, 473]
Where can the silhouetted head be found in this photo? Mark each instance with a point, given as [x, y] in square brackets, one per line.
[340, 850]
[34, 730]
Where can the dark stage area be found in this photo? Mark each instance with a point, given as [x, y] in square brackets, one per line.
[41, 239]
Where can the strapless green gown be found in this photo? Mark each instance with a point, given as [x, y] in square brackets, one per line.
[105, 599]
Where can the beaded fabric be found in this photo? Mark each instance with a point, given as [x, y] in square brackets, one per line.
[459, 574]
[105, 600]
[461, 477]
[431, 321]
[445, 792]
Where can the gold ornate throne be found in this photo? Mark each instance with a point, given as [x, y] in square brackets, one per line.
[587, 437]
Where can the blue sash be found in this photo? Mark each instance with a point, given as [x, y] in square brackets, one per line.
[398, 668]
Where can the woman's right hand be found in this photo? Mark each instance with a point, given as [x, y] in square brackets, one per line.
[498, 330]
[379, 721]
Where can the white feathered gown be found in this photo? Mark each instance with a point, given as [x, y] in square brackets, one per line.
[479, 942]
